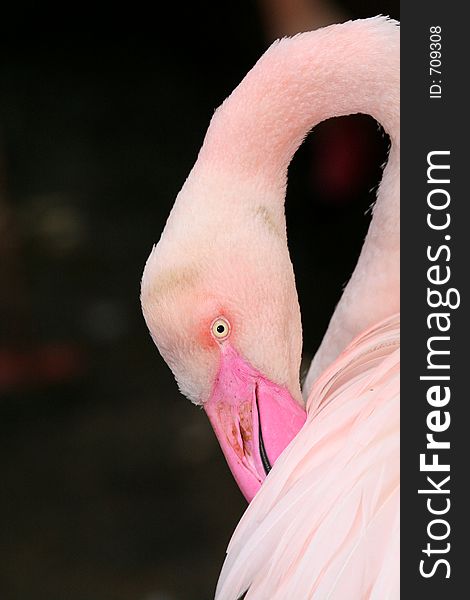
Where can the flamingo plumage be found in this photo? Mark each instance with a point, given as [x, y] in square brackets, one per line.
[219, 298]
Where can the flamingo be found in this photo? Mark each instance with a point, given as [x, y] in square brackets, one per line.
[320, 470]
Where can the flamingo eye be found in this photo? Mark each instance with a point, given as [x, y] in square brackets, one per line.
[220, 328]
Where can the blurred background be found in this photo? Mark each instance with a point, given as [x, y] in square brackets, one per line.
[112, 485]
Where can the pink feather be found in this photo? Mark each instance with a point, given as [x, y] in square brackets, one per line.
[325, 522]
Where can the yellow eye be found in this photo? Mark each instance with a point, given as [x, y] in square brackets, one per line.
[220, 328]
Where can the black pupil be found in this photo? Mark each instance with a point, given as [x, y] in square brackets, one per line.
[220, 328]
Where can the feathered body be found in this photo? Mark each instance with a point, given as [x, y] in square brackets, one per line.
[219, 298]
[325, 523]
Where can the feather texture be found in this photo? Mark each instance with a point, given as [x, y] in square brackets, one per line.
[325, 523]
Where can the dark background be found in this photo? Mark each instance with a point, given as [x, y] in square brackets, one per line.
[112, 486]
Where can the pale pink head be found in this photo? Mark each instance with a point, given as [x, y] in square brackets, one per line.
[219, 298]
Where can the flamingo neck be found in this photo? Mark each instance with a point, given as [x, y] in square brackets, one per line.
[299, 82]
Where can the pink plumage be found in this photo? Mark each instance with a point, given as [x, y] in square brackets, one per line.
[219, 298]
[325, 523]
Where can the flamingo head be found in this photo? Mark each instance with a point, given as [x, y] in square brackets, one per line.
[219, 299]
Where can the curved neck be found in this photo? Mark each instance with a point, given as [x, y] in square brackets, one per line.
[299, 82]
[339, 70]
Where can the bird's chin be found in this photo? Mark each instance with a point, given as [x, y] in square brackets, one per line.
[253, 419]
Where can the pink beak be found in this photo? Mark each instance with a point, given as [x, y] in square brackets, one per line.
[253, 419]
